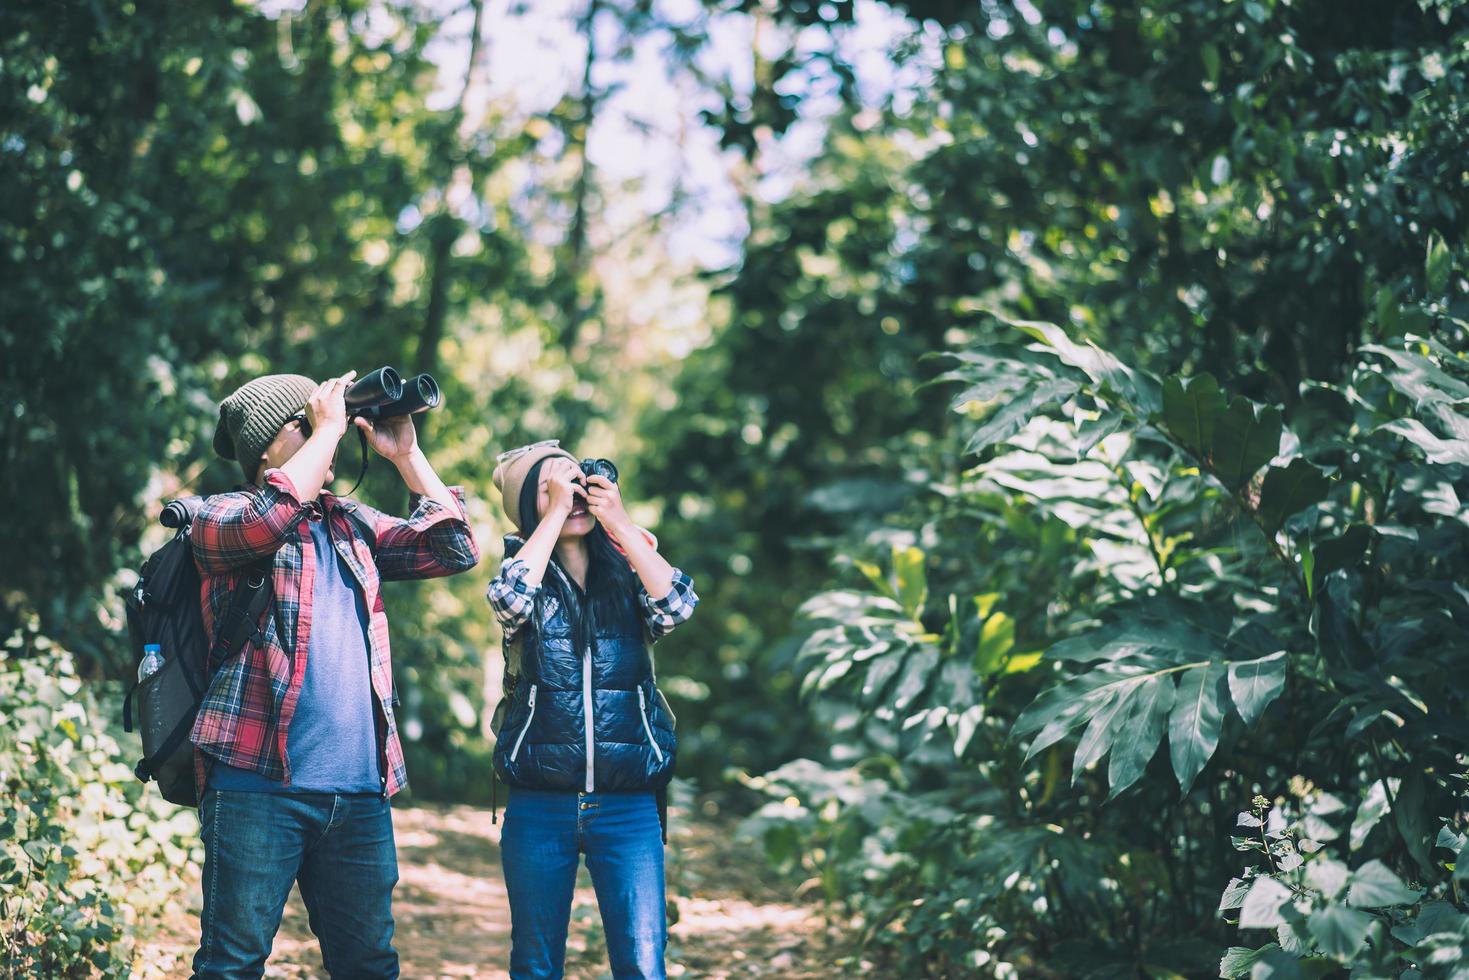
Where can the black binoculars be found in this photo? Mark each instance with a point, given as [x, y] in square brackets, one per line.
[599, 467]
[384, 394]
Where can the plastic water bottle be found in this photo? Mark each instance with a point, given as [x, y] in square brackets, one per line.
[152, 661]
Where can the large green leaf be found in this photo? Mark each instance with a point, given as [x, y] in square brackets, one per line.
[916, 674]
[1190, 407]
[1057, 710]
[1339, 931]
[1437, 450]
[1137, 389]
[1419, 377]
[1347, 548]
[1011, 416]
[1262, 904]
[1193, 725]
[1370, 811]
[1290, 489]
[1374, 886]
[1177, 641]
[1255, 683]
[1147, 721]
[1102, 728]
[1246, 437]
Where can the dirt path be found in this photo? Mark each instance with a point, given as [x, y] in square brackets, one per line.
[453, 921]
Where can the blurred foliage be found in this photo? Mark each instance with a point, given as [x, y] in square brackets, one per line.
[1195, 536]
[1241, 188]
[89, 857]
[1272, 594]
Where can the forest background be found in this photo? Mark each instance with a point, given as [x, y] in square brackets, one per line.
[1060, 405]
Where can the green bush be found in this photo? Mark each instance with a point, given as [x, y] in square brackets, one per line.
[90, 857]
[1149, 604]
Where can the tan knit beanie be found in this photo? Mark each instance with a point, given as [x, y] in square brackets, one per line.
[250, 418]
[510, 476]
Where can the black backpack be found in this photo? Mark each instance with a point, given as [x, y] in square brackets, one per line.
[165, 609]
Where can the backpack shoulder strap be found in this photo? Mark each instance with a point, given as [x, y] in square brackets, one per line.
[249, 600]
[363, 522]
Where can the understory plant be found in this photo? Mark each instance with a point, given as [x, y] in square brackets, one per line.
[1145, 610]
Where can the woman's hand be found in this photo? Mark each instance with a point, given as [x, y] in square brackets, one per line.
[562, 486]
[604, 500]
[392, 438]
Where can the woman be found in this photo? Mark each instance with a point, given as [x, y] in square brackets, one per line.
[586, 740]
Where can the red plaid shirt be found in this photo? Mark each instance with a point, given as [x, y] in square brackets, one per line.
[246, 713]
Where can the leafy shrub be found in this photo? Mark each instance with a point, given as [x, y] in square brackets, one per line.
[1327, 916]
[1233, 599]
[89, 856]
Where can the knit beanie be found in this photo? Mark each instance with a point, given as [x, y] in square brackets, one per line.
[250, 418]
[510, 476]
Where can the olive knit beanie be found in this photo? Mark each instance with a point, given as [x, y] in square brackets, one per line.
[250, 418]
[510, 476]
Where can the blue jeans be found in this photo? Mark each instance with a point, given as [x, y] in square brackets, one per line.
[339, 848]
[544, 835]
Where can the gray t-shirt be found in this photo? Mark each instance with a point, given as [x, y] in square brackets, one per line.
[332, 742]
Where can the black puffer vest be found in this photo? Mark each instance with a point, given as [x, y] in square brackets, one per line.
[588, 719]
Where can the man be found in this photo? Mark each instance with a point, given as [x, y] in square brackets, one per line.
[297, 748]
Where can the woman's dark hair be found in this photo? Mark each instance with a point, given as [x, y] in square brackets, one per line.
[610, 579]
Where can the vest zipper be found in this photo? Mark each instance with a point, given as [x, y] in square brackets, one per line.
[643, 710]
[586, 692]
[514, 751]
[586, 696]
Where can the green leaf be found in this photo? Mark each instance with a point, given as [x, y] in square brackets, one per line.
[967, 725]
[996, 640]
[1255, 683]
[1442, 451]
[1411, 819]
[1234, 894]
[1266, 963]
[878, 673]
[1438, 264]
[1339, 931]
[1096, 739]
[1190, 408]
[1343, 550]
[1091, 433]
[1209, 55]
[874, 575]
[1374, 886]
[916, 673]
[1246, 437]
[1419, 377]
[1146, 723]
[1103, 368]
[1057, 710]
[912, 580]
[1261, 907]
[1326, 875]
[1288, 490]
[1193, 726]
[1372, 809]
[1009, 418]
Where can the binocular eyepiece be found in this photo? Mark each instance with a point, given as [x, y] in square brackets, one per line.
[384, 394]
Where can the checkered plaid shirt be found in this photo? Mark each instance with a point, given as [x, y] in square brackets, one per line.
[512, 599]
[246, 713]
